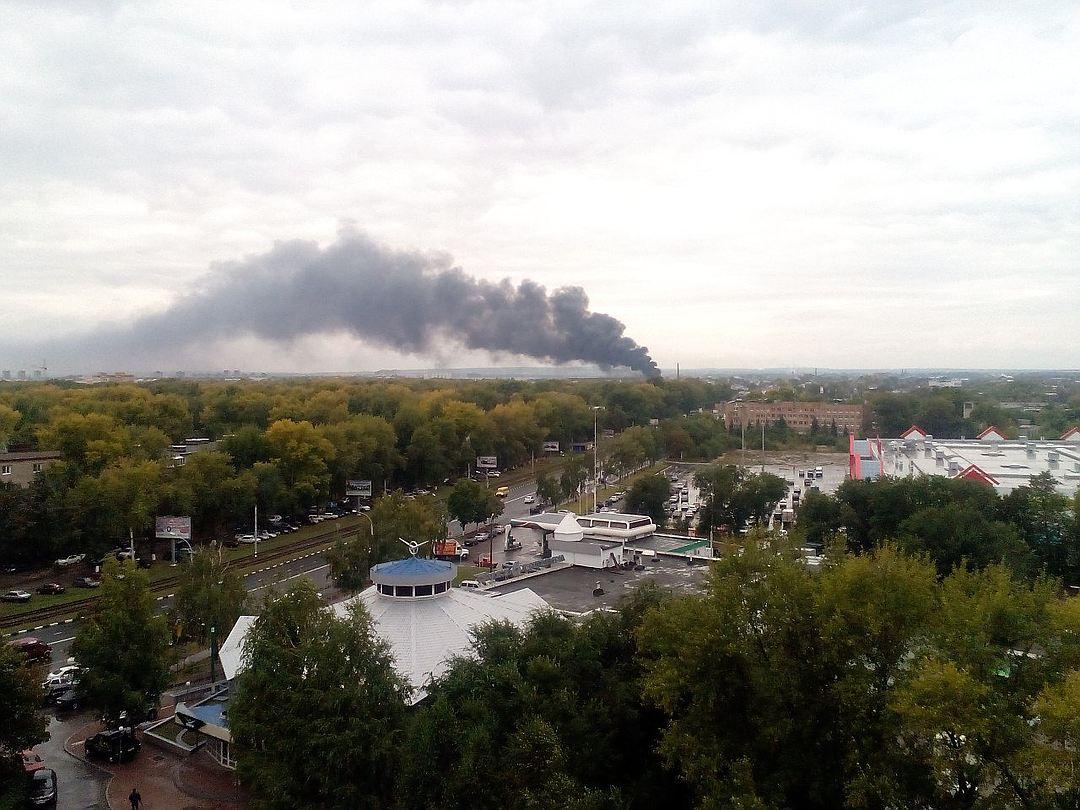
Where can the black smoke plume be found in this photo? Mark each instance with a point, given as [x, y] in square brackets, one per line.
[406, 301]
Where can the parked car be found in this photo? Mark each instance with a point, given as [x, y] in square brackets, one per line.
[42, 791]
[32, 761]
[51, 588]
[481, 537]
[68, 700]
[118, 745]
[471, 584]
[17, 596]
[34, 650]
[87, 582]
[74, 559]
[245, 538]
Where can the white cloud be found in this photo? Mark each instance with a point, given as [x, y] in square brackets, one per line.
[742, 184]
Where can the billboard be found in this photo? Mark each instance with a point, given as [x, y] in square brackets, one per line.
[486, 462]
[360, 489]
[172, 527]
[551, 447]
[654, 422]
[609, 433]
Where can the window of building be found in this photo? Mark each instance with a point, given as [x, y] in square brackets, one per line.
[5, 469]
[36, 466]
[403, 590]
[423, 590]
[440, 587]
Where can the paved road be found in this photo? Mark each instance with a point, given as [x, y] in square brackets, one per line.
[307, 564]
[78, 785]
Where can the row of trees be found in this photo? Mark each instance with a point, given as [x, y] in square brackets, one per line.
[871, 682]
[291, 446]
[955, 522]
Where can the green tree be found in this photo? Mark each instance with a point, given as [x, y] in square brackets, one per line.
[301, 454]
[549, 490]
[209, 595]
[21, 724]
[123, 644]
[9, 418]
[648, 496]
[472, 502]
[313, 682]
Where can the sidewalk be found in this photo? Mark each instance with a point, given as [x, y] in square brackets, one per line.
[166, 781]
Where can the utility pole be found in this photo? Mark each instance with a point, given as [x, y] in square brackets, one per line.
[256, 530]
[596, 459]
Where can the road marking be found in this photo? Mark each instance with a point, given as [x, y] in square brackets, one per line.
[294, 576]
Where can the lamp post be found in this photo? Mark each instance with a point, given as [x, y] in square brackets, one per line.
[596, 459]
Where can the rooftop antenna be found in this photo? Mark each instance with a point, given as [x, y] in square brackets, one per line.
[412, 545]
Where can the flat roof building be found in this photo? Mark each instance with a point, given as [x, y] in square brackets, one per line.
[991, 459]
[799, 416]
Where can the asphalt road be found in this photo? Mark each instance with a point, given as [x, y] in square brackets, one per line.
[78, 785]
[305, 564]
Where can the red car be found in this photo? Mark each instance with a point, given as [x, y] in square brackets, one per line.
[34, 650]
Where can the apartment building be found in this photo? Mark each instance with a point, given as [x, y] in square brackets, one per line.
[799, 416]
[21, 468]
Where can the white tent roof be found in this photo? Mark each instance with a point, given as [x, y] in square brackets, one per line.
[569, 530]
[423, 634]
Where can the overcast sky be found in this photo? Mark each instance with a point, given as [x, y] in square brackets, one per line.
[742, 184]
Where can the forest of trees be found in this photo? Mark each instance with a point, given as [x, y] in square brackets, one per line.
[291, 445]
[870, 682]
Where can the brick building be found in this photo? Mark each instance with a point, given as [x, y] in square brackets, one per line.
[799, 416]
[20, 468]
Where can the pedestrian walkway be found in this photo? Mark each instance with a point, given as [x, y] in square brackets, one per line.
[165, 780]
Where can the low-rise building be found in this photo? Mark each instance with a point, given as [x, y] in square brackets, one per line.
[991, 459]
[20, 468]
[799, 416]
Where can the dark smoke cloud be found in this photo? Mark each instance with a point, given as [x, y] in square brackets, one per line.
[406, 301]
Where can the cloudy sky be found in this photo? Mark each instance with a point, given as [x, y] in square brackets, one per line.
[742, 184]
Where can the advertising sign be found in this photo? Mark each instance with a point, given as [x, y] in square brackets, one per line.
[551, 447]
[360, 489]
[654, 422]
[172, 527]
[609, 433]
[486, 462]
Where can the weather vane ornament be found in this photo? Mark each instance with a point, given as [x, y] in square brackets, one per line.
[412, 545]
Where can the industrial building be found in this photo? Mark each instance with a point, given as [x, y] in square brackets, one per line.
[990, 458]
[799, 416]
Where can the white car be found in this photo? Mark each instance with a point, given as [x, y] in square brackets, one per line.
[74, 559]
[245, 538]
[529, 499]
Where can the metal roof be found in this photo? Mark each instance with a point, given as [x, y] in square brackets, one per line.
[413, 571]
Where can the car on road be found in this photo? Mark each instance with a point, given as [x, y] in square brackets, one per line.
[529, 499]
[74, 559]
[502, 492]
[34, 650]
[480, 537]
[51, 588]
[113, 746]
[17, 596]
[494, 474]
[42, 791]
[68, 700]
[87, 582]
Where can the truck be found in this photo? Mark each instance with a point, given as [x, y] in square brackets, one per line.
[450, 550]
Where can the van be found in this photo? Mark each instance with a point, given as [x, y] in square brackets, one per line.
[472, 584]
[502, 492]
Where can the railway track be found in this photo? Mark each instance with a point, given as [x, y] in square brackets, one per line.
[77, 606]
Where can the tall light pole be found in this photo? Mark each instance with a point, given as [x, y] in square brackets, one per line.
[595, 459]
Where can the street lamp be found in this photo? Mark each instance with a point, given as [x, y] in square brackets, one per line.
[595, 458]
